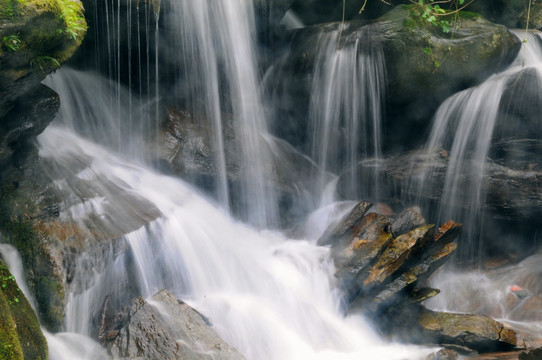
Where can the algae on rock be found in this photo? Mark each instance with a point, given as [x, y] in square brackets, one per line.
[20, 333]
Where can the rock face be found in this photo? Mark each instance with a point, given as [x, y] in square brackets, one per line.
[167, 328]
[37, 37]
[20, 332]
[383, 274]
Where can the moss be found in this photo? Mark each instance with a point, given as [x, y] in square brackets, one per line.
[49, 28]
[27, 328]
[10, 347]
[16, 220]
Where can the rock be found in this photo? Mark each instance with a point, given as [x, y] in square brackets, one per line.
[420, 79]
[31, 114]
[407, 220]
[38, 36]
[534, 354]
[510, 205]
[345, 224]
[20, 332]
[188, 151]
[396, 254]
[166, 328]
[415, 85]
[444, 354]
[473, 331]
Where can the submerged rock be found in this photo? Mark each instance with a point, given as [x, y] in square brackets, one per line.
[166, 328]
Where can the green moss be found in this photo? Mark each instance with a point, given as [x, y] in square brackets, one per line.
[28, 331]
[16, 214]
[49, 28]
[10, 347]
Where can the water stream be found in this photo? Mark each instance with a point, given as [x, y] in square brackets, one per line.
[269, 296]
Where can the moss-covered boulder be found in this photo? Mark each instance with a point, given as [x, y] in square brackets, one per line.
[36, 37]
[20, 333]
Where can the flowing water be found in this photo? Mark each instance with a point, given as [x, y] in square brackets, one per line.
[221, 76]
[346, 110]
[271, 297]
[464, 126]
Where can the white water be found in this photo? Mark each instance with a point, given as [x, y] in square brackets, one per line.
[464, 125]
[346, 109]
[271, 297]
[215, 43]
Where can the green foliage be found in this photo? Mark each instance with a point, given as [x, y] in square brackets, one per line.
[438, 13]
[12, 42]
[73, 18]
[45, 63]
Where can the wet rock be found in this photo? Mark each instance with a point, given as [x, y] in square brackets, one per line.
[20, 332]
[37, 37]
[444, 354]
[421, 64]
[30, 115]
[534, 354]
[345, 224]
[473, 331]
[409, 219]
[166, 328]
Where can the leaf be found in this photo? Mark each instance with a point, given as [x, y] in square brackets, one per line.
[427, 51]
[437, 64]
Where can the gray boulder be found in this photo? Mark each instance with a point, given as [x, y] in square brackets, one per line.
[167, 328]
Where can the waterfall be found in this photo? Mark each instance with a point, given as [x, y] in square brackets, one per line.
[346, 110]
[464, 127]
[221, 76]
[269, 296]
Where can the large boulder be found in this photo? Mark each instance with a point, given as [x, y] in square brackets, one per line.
[166, 328]
[37, 37]
[423, 67]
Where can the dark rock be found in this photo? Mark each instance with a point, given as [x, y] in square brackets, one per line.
[345, 224]
[535, 354]
[407, 220]
[166, 328]
[415, 85]
[38, 37]
[31, 114]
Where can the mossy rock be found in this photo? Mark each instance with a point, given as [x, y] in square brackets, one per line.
[18, 221]
[36, 37]
[20, 333]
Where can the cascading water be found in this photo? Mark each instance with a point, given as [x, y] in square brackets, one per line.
[464, 126]
[346, 110]
[270, 297]
[221, 76]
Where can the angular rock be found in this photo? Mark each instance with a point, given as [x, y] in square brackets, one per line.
[409, 219]
[345, 224]
[167, 328]
[396, 255]
[444, 354]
